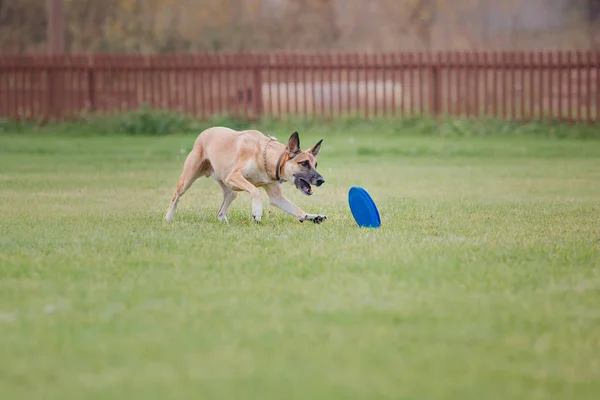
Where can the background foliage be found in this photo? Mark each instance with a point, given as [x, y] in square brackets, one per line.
[373, 25]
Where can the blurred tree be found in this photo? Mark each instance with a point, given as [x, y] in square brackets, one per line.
[319, 15]
[593, 17]
[234, 25]
[22, 25]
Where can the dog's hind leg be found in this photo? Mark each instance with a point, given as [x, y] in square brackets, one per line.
[228, 196]
[192, 169]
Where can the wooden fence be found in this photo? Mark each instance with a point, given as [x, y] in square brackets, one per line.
[507, 85]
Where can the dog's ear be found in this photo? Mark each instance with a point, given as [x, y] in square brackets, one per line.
[315, 149]
[294, 144]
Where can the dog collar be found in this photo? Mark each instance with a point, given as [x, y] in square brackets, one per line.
[279, 162]
[279, 166]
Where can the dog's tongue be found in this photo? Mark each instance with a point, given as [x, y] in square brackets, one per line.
[306, 188]
[303, 186]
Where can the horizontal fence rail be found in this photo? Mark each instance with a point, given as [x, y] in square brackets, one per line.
[508, 85]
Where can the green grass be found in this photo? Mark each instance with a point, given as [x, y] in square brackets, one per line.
[482, 283]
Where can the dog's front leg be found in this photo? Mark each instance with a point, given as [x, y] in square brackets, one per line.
[236, 180]
[277, 199]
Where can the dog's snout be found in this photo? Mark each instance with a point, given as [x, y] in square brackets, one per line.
[320, 181]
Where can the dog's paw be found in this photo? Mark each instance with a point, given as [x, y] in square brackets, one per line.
[316, 218]
[223, 218]
[257, 210]
[319, 218]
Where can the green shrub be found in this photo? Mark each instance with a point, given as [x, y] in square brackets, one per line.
[147, 121]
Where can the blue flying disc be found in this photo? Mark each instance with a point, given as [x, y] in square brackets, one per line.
[363, 208]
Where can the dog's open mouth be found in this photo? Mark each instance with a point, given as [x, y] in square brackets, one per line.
[303, 186]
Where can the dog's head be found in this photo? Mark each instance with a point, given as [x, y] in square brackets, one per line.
[301, 165]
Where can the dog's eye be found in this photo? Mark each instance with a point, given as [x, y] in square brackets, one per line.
[305, 164]
[316, 165]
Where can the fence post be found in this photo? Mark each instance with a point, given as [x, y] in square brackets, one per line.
[52, 101]
[435, 89]
[257, 83]
[91, 85]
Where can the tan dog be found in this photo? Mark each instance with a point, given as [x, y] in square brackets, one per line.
[247, 160]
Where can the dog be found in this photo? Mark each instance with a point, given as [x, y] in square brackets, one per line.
[248, 160]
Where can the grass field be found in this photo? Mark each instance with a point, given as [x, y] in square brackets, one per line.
[482, 283]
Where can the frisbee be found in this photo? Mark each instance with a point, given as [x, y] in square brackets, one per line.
[363, 208]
